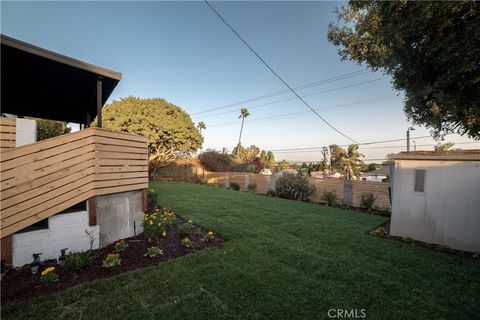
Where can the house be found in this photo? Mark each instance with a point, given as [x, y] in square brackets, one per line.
[376, 175]
[54, 190]
[436, 198]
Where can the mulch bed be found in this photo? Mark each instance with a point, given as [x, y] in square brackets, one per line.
[383, 231]
[20, 284]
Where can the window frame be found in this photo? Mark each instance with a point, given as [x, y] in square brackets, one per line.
[415, 181]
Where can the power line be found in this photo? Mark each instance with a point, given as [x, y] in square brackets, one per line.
[273, 94]
[346, 145]
[370, 148]
[351, 106]
[270, 68]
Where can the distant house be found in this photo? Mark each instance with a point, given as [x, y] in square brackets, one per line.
[436, 198]
[376, 175]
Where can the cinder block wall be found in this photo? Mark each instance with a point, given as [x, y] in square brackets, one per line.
[119, 216]
[66, 230]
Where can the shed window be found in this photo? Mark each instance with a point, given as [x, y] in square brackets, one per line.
[419, 181]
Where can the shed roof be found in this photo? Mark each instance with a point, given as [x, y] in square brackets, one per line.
[468, 155]
[41, 83]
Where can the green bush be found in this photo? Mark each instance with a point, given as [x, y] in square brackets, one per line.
[330, 197]
[186, 229]
[252, 187]
[152, 200]
[77, 261]
[250, 167]
[295, 187]
[153, 252]
[112, 260]
[234, 186]
[367, 200]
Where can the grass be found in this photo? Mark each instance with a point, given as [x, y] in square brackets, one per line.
[284, 260]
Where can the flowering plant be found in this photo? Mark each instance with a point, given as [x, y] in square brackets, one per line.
[153, 252]
[120, 246]
[112, 260]
[186, 242]
[209, 236]
[48, 275]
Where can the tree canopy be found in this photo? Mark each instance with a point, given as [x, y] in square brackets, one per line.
[164, 124]
[431, 50]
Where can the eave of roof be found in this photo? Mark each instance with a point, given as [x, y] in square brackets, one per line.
[467, 155]
[20, 45]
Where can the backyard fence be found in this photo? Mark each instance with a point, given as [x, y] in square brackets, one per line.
[347, 192]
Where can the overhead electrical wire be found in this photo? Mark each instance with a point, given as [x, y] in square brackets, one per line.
[348, 106]
[276, 74]
[274, 94]
[382, 147]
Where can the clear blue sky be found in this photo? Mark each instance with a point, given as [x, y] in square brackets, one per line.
[181, 52]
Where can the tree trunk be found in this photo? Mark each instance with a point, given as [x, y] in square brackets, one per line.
[241, 129]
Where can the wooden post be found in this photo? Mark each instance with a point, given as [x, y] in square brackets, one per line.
[99, 102]
[144, 200]
[92, 211]
[7, 250]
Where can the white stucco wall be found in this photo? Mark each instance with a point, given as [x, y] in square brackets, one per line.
[65, 230]
[26, 131]
[448, 212]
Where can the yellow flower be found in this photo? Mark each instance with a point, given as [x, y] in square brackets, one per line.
[190, 221]
[210, 233]
[151, 222]
[164, 234]
[159, 224]
[48, 270]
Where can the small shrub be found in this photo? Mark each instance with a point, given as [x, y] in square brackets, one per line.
[221, 185]
[152, 200]
[295, 187]
[112, 260]
[330, 197]
[409, 240]
[234, 186]
[212, 182]
[168, 217]
[380, 231]
[209, 236]
[186, 229]
[250, 167]
[367, 200]
[186, 242]
[153, 252]
[153, 225]
[252, 187]
[120, 246]
[77, 261]
[48, 275]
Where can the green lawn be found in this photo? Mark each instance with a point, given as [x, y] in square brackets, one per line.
[283, 260]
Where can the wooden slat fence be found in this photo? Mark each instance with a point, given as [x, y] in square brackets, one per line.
[7, 133]
[41, 179]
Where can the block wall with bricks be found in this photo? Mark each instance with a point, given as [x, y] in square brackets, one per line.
[66, 230]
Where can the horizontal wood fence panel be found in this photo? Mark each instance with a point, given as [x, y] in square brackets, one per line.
[41, 179]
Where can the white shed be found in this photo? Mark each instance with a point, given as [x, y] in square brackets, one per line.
[436, 198]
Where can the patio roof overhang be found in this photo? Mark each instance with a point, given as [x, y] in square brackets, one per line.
[40, 83]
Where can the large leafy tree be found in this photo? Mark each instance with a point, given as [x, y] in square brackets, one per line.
[164, 124]
[431, 50]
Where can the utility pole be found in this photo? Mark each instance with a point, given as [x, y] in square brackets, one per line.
[408, 137]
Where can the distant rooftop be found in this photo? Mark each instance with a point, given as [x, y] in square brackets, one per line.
[470, 155]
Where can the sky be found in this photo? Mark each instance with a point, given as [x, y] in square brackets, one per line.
[182, 52]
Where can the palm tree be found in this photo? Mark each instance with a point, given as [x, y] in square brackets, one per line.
[201, 126]
[243, 114]
[351, 160]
